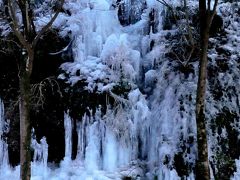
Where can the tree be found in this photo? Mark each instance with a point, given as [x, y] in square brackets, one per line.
[206, 14]
[28, 38]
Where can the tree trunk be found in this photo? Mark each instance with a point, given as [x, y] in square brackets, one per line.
[202, 166]
[25, 129]
[25, 125]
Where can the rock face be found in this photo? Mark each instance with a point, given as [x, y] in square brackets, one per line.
[130, 11]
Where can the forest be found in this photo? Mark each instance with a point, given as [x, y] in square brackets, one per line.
[119, 89]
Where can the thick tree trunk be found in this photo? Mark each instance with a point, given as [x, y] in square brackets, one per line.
[25, 123]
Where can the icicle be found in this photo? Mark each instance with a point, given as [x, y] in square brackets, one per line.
[110, 152]
[68, 136]
[40, 156]
[92, 158]
[4, 163]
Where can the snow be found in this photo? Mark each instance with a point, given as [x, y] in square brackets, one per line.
[236, 175]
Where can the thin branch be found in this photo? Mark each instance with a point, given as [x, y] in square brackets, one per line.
[11, 41]
[163, 2]
[188, 24]
[38, 90]
[48, 25]
[62, 50]
[190, 56]
[177, 57]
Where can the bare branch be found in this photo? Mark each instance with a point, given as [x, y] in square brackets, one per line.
[182, 62]
[209, 5]
[48, 25]
[214, 11]
[14, 25]
[189, 56]
[163, 2]
[188, 24]
[38, 90]
[215, 6]
[10, 41]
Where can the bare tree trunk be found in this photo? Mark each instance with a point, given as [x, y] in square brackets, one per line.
[25, 125]
[202, 167]
[25, 129]
[206, 17]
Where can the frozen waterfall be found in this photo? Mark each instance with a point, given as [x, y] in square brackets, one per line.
[144, 130]
[131, 139]
[134, 138]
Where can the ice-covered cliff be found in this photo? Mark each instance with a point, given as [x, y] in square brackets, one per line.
[148, 129]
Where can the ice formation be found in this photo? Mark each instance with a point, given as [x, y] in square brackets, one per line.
[4, 166]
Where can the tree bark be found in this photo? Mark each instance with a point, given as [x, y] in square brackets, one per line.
[25, 123]
[206, 16]
[202, 167]
[25, 129]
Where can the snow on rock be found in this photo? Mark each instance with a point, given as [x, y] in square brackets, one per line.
[236, 175]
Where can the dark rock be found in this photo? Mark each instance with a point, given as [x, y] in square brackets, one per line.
[216, 26]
